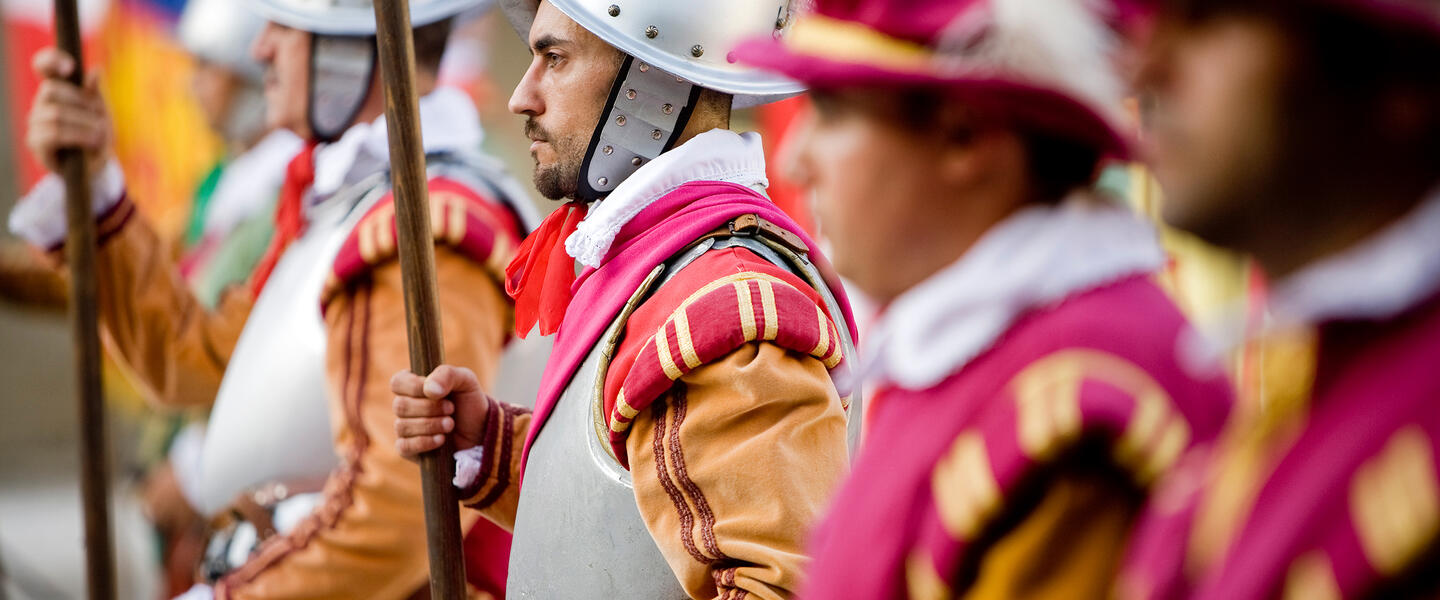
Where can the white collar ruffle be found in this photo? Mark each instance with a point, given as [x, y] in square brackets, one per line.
[1033, 259]
[1376, 279]
[448, 121]
[716, 155]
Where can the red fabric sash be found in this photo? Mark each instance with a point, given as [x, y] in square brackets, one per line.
[542, 293]
[289, 215]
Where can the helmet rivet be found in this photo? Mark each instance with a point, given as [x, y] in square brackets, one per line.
[630, 94]
[620, 120]
[644, 67]
[614, 10]
[651, 32]
[602, 181]
[667, 109]
[635, 161]
[697, 50]
[608, 149]
[656, 134]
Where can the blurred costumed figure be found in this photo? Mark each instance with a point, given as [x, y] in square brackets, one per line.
[1306, 134]
[1030, 385]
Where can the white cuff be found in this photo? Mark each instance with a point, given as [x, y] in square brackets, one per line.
[468, 463]
[39, 217]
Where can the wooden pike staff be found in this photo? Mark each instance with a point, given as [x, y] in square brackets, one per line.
[85, 329]
[417, 272]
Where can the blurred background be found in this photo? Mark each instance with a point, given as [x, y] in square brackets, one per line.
[167, 151]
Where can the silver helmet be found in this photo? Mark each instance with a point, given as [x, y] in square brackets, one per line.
[673, 48]
[343, 53]
[353, 17]
[220, 31]
[690, 39]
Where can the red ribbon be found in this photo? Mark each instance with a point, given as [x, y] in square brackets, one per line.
[289, 215]
[540, 276]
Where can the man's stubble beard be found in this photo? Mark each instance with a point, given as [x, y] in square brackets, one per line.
[560, 180]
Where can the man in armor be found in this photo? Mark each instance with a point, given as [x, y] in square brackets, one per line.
[1307, 133]
[308, 344]
[1031, 387]
[693, 418]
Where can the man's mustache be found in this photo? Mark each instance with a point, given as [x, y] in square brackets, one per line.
[534, 131]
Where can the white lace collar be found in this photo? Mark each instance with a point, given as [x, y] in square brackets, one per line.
[448, 121]
[716, 155]
[1378, 278]
[1035, 258]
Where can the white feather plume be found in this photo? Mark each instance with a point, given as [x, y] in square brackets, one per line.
[1064, 45]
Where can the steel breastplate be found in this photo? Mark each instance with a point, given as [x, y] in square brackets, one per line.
[578, 530]
[271, 419]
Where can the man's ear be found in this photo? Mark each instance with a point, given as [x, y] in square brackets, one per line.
[961, 150]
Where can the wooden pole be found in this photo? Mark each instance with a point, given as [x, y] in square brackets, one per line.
[84, 321]
[417, 271]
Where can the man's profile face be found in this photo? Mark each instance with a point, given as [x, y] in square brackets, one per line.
[562, 95]
[1214, 130]
[285, 52]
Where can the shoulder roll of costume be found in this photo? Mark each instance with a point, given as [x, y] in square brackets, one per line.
[1331, 491]
[701, 334]
[1031, 392]
[298, 465]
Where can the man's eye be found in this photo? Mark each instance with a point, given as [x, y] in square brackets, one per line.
[552, 59]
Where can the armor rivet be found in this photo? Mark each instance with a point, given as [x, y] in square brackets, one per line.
[656, 134]
[635, 161]
[602, 181]
[630, 94]
[620, 120]
[614, 10]
[644, 67]
[607, 150]
[651, 32]
[667, 109]
[697, 50]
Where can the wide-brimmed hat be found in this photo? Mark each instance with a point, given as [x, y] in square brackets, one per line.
[1042, 65]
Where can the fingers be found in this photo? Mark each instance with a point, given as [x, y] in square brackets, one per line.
[410, 408]
[446, 380]
[52, 63]
[408, 384]
[53, 126]
[423, 427]
[413, 447]
[66, 94]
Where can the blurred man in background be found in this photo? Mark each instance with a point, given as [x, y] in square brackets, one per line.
[1307, 134]
[230, 225]
[309, 341]
[1030, 390]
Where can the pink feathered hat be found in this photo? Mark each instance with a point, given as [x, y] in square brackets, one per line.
[1046, 65]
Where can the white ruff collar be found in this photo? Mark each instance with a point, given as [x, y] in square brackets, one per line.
[1378, 278]
[716, 155]
[448, 121]
[1033, 259]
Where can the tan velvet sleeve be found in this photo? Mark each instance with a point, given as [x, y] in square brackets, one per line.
[496, 493]
[367, 539]
[152, 322]
[1069, 546]
[734, 465]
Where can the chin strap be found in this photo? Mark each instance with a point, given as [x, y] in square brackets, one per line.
[541, 274]
[644, 117]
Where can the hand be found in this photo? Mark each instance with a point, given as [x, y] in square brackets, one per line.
[66, 116]
[428, 408]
